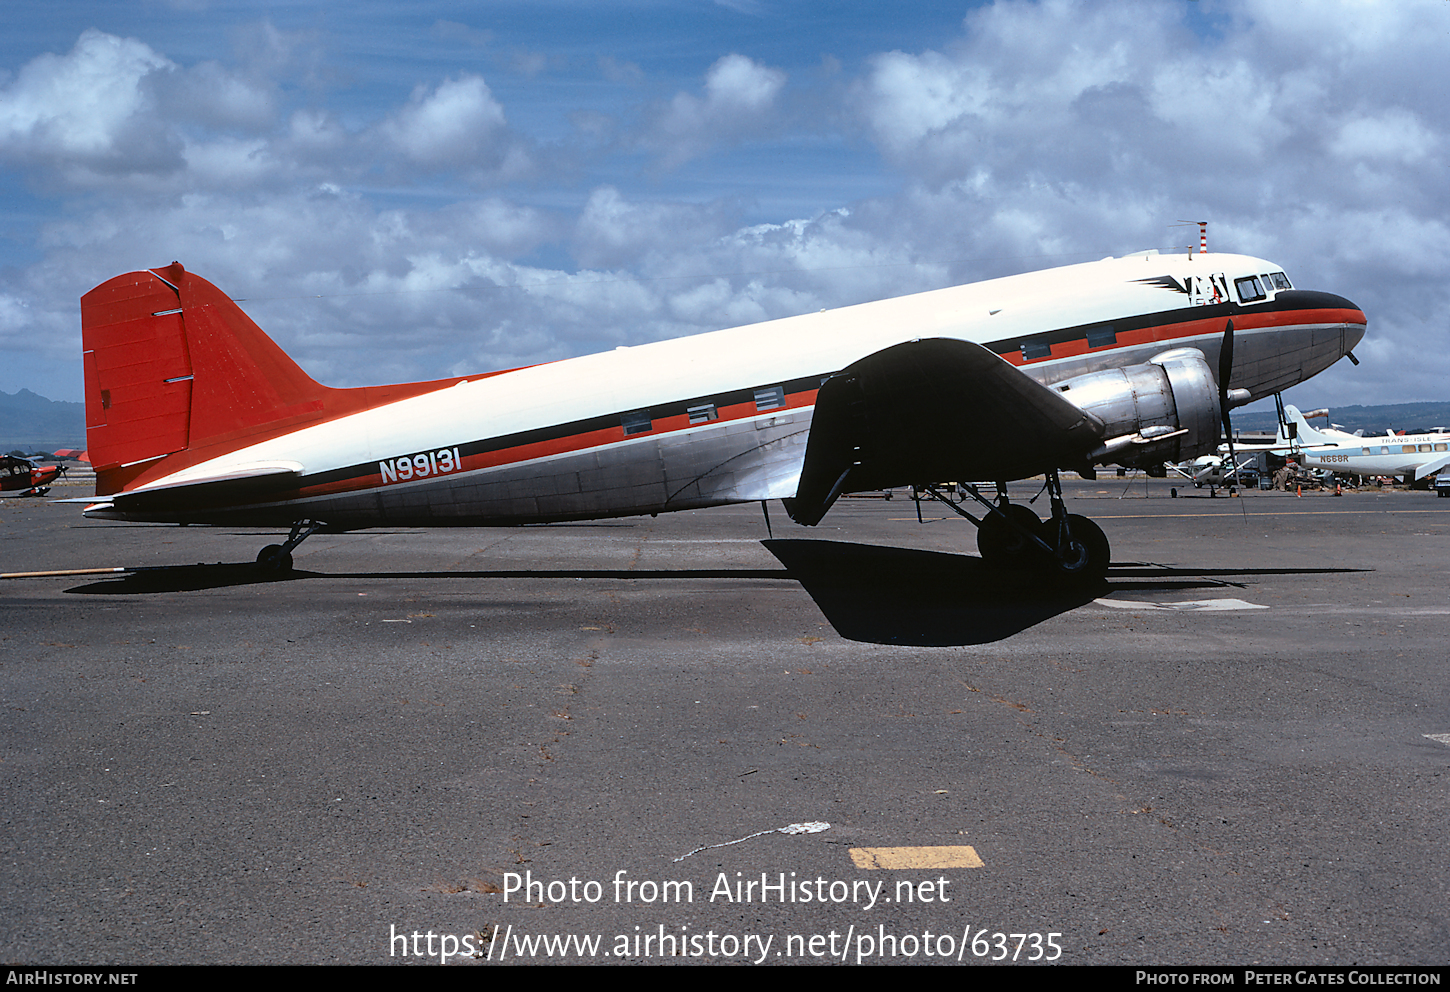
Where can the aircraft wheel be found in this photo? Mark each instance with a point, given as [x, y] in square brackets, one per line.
[272, 560]
[1088, 555]
[998, 543]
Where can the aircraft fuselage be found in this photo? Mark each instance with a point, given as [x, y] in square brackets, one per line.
[715, 418]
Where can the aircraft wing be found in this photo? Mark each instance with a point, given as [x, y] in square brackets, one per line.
[935, 410]
[1432, 467]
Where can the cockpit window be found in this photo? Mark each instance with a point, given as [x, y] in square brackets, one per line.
[1280, 280]
[1249, 289]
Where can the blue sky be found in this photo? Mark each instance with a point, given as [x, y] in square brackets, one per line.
[413, 191]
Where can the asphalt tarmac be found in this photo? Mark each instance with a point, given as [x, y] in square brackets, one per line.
[1234, 751]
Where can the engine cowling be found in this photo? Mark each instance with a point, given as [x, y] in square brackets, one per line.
[1173, 396]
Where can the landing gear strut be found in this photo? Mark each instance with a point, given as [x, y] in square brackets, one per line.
[276, 559]
[1080, 548]
[1068, 545]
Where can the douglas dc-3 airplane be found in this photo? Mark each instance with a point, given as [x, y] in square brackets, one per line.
[194, 415]
[1413, 456]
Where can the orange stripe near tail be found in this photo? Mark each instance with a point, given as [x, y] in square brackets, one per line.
[177, 373]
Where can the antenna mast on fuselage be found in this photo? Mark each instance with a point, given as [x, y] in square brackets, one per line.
[1202, 236]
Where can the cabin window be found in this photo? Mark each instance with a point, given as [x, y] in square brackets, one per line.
[704, 413]
[636, 422]
[770, 398]
[1440, 446]
[1249, 289]
[1101, 337]
[1035, 349]
[1407, 449]
[1424, 447]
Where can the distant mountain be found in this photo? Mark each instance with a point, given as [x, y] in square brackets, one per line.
[32, 422]
[1374, 419]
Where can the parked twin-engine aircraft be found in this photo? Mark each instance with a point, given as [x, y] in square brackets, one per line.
[195, 416]
[1413, 456]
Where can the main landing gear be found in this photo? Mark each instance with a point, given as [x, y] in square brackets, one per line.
[276, 559]
[1067, 545]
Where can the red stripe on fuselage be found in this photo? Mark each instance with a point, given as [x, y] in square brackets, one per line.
[1246, 320]
[571, 444]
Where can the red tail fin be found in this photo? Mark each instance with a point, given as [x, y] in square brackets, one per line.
[176, 371]
[171, 363]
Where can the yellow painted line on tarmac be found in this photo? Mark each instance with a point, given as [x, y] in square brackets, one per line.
[916, 857]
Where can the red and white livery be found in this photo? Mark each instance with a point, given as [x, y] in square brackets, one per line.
[194, 415]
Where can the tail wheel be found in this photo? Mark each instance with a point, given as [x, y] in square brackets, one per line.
[999, 543]
[274, 560]
[1087, 555]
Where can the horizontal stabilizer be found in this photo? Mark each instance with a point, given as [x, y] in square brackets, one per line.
[185, 492]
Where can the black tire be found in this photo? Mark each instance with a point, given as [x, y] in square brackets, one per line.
[998, 543]
[272, 560]
[1089, 554]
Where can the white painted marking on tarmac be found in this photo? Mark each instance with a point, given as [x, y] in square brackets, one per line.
[1192, 605]
[1441, 738]
[809, 827]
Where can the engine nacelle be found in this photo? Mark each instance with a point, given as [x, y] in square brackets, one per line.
[1173, 394]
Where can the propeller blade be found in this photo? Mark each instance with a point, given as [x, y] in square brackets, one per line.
[1225, 363]
[1225, 370]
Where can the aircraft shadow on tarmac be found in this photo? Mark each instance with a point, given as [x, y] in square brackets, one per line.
[881, 595]
[890, 595]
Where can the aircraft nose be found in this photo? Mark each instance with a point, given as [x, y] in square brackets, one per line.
[1354, 331]
[1353, 317]
[1337, 310]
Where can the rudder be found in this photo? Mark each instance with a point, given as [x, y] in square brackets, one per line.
[172, 364]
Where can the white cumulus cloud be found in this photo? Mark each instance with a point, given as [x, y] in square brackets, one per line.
[740, 94]
[88, 111]
[451, 125]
